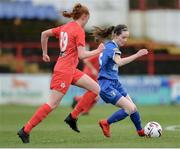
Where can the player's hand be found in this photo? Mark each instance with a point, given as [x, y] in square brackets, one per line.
[142, 52]
[46, 58]
[101, 47]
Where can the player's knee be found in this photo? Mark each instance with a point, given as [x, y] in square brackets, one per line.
[53, 105]
[96, 90]
[132, 109]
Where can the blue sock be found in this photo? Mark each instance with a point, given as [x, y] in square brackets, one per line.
[135, 117]
[117, 116]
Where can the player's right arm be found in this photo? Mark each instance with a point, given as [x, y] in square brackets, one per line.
[44, 40]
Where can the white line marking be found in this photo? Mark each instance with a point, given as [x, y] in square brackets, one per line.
[173, 128]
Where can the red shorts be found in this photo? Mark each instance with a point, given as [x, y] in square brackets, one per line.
[61, 80]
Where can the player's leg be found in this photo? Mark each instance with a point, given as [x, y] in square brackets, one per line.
[84, 81]
[44, 110]
[76, 99]
[116, 116]
[135, 117]
[88, 83]
[112, 92]
[89, 107]
[134, 114]
[59, 86]
[89, 97]
[40, 114]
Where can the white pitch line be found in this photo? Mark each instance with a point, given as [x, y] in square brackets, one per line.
[173, 128]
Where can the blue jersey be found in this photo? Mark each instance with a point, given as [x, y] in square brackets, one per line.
[108, 68]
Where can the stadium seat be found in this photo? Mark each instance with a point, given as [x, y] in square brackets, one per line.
[26, 10]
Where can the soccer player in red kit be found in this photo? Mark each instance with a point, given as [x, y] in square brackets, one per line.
[72, 46]
[91, 68]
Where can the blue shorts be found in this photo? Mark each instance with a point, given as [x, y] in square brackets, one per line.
[111, 90]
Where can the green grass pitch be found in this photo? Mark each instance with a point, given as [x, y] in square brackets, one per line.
[53, 132]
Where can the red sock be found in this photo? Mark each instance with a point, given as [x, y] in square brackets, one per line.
[90, 106]
[87, 99]
[39, 115]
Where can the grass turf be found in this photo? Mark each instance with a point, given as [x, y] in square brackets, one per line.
[53, 132]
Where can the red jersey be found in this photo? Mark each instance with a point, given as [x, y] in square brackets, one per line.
[94, 60]
[71, 35]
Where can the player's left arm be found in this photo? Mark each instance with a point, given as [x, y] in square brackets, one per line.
[123, 61]
[83, 53]
[80, 42]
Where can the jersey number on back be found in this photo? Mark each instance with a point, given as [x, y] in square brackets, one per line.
[63, 41]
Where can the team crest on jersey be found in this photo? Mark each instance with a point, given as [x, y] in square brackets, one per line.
[112, 93]
[63, 85]
[115, 67]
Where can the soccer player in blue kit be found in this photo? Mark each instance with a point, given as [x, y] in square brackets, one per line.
[111, 90]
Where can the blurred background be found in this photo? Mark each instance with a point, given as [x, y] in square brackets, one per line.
[153, 24]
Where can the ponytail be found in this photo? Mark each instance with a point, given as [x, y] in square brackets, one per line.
[77, 12]
[67, 14]
[101, 34]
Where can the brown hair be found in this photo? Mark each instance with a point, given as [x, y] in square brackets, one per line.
[100, 33]
[77, 12]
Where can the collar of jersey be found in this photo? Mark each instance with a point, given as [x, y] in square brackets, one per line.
[115, 43]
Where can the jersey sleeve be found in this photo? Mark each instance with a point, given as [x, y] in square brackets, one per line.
[111, 51]
[117, 51]
[80, 38]
[56, 31]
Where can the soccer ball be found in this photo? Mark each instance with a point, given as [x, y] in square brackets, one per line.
[153, 129]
